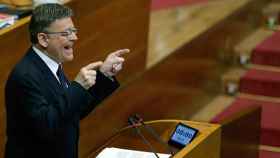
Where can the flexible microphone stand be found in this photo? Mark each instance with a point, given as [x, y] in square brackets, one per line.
[139, 119]
[135, 126]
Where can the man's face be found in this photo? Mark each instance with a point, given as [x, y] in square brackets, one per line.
[60, 38]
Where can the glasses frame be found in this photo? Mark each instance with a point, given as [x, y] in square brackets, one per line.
[66, 33]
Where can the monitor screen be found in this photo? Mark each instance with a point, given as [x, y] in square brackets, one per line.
[182, 135]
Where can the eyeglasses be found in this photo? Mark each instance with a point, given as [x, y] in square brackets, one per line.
[67, 33]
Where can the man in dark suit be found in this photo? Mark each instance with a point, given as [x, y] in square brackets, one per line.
[43, 107]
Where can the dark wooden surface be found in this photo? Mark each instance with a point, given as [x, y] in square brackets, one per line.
[104, 26]
[108, 25]
[177, 87]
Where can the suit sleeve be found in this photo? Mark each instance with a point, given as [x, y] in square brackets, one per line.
[44, 117]
[101, 90]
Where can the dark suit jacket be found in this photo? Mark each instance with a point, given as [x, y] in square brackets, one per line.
[42, 116]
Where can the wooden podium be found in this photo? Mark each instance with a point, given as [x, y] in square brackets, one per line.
[207, 141]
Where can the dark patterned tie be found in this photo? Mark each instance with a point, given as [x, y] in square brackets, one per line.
[62, 78]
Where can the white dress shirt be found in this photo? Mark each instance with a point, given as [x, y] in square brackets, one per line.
[53, 65]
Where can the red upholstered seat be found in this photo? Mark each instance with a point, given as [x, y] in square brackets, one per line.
[260, 82]
[270, 132]
[268, 51]
[269, 154]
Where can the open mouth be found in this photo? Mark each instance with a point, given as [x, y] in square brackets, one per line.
[68, 51]
[69, 48]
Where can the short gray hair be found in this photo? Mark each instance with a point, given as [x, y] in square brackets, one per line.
[44, 15]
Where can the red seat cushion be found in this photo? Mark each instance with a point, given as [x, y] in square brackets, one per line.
[260, 82]
[268, 51]
[269, 154]
[270, 132]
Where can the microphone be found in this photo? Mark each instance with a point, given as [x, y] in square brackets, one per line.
[138, 131]
[153, 132]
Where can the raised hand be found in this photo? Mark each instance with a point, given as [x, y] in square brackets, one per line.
[113, 63]
[87, 75]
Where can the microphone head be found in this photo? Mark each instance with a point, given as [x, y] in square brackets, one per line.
[138, 118]
[131, 121]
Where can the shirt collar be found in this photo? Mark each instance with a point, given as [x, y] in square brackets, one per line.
[53, 65]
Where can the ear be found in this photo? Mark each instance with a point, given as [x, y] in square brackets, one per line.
[43, 39]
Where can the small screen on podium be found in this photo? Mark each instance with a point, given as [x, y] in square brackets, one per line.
[182, 135]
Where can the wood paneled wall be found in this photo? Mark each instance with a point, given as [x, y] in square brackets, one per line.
[107, 25]
[178, 86]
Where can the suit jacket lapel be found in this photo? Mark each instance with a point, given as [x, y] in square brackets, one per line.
[49, 77]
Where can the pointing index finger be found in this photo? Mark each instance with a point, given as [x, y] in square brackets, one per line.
[121, 52]
[94, 66]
